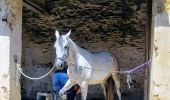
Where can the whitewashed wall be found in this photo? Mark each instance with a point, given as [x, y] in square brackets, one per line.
[10, 45]
[160, 70]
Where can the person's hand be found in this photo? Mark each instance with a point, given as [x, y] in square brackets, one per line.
[78, 91]
[77, 88]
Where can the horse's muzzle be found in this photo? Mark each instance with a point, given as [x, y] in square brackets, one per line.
[59, 64]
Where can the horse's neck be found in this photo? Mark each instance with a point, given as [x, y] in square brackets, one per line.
[74, 52]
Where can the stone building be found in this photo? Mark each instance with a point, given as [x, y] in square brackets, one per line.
[134, 30]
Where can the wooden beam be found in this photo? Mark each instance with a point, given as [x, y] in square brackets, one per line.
[34, 7]
[147, 48]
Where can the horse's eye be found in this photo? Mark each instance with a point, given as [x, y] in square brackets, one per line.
[65, 47]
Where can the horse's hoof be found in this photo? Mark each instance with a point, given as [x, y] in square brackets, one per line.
[64, 97]
[60, 94]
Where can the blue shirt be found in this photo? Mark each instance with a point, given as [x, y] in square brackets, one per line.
[59, 80]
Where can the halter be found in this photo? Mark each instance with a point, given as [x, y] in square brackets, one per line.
[63, 59]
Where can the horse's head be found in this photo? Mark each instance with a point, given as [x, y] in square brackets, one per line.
[62, 49]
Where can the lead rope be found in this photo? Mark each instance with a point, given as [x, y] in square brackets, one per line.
[129, 78]
[127, 72]
[33, 78]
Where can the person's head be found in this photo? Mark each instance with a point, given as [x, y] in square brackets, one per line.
[64, 69]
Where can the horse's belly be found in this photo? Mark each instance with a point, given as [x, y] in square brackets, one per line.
[98, 77]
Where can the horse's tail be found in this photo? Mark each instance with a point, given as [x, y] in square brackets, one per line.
[109, 88]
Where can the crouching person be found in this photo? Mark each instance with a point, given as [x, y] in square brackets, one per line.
[59, 79]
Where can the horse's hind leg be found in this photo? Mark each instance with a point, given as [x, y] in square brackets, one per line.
[104, 90]
[117, 83]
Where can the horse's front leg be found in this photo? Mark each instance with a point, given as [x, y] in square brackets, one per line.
[66, 87]
[84, 89]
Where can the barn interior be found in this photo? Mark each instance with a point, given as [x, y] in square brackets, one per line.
[117, 26]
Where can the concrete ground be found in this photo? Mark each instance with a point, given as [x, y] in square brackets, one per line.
[124, 97]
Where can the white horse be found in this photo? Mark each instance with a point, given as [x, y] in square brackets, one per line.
[85, 68]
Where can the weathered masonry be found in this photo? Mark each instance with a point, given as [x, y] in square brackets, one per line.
[159, 80]
[10, 47]
[121, 26]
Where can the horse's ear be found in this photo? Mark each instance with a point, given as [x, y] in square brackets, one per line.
[68, 34]
[57, 34]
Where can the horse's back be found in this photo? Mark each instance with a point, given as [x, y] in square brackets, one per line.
[105, 55]
[104, 59]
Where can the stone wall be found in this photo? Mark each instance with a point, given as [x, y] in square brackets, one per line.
[10, 44]
[159, 82]
[31, 87]
[111, 25]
